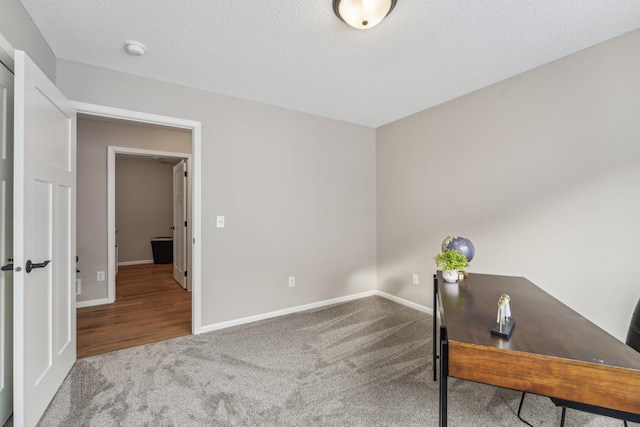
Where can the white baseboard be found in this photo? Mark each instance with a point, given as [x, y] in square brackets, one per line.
[90, 303]
[297, 309]
[142, 261]
[250, 319]
[403, 301]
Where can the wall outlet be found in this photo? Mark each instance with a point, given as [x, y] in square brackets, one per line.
[100, 276]
[292, 281]
[415, 280]
[78, 286]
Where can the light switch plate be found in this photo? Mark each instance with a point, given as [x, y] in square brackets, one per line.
[220, 222]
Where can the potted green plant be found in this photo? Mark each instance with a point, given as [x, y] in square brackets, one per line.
[450, 262]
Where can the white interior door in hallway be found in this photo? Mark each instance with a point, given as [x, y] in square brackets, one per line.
[180, 223]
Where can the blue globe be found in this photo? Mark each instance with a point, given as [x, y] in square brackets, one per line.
[461, 244]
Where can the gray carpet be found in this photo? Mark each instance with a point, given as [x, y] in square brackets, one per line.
[361, 363]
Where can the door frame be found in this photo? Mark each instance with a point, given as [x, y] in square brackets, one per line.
[196, 190]
[6, 311]
[112, 151]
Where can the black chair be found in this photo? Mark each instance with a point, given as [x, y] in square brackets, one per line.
[633, 341]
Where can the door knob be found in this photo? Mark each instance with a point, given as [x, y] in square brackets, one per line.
[30, 266]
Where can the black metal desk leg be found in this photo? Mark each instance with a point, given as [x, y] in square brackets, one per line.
[434, 336]
[444, 373]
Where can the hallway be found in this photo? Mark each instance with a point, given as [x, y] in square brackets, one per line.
[150, 306]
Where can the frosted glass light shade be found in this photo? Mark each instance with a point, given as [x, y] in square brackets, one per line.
[363, 14]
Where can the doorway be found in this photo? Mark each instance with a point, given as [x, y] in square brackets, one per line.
[194, 241]
[150, 210]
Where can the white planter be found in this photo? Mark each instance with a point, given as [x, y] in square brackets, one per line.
[450, 276]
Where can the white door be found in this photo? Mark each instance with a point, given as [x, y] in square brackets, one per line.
[180, 223]
[6, 243]
[44, 230]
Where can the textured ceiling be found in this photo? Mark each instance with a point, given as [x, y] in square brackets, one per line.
[297, 54]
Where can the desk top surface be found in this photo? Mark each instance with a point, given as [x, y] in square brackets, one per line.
[543, 325]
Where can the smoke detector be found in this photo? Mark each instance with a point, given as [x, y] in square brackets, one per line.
[135, 48]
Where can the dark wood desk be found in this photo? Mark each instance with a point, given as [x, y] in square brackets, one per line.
[552, 351]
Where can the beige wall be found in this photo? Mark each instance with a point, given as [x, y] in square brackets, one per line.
[17, 27]
[297, 191]
[541, 172]
[94, 136]
[144, 205]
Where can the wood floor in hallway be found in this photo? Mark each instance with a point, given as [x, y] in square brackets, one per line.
[150, 306]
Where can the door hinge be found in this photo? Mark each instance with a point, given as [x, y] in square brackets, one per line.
[185, 223]
[185, 273]
[185, 174]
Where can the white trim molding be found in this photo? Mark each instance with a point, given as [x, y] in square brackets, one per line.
[405, 302]
[92, 302]
[291, 310]
[297, 309]
[139, 262]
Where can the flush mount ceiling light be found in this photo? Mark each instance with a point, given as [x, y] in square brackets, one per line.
[363, 14]
[135, 48]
